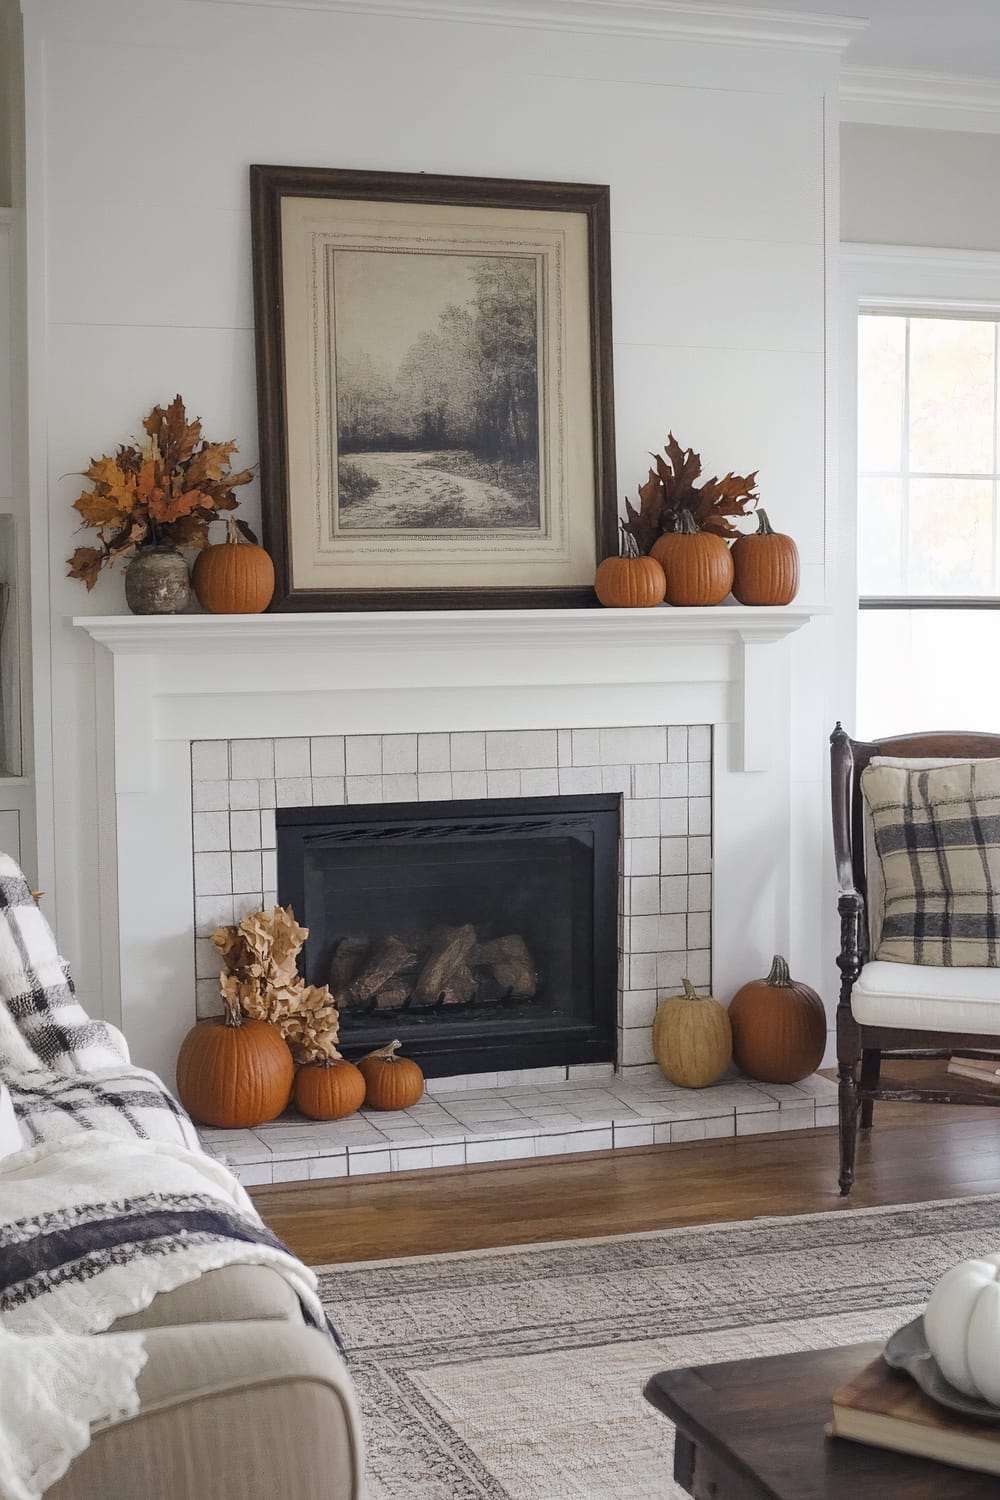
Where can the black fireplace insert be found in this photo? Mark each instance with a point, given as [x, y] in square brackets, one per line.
[482, 934]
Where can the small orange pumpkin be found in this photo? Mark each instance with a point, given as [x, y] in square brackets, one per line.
[233, 1072]
[329, 1090]
[236, 577]
[697, 565]
[779, 1027]
[391, 1082]
[766, 564]
[629, 581]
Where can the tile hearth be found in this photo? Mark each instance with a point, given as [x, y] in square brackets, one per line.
[592, 1110]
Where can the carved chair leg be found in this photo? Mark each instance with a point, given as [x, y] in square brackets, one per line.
[848, 1100]
[849, 1053]
[871, 1068]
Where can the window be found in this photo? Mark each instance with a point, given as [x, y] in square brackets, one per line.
[928, 522]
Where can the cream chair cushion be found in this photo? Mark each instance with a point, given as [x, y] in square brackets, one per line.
[921, 997]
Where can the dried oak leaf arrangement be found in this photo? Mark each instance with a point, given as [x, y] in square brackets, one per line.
[671, 489]
[166, 488]
[260, 978]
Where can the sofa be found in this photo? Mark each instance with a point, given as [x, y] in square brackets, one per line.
[242, 1394]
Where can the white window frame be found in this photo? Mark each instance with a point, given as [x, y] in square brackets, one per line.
[891, 279]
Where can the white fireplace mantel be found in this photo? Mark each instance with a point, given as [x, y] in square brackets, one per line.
[165, 682]
[225, 664]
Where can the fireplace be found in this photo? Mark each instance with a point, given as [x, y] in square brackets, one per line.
[483, 934]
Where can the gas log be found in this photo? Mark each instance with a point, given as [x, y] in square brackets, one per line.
[447, 966]
[510, 963]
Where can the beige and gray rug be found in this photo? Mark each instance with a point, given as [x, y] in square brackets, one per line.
[517, 1374]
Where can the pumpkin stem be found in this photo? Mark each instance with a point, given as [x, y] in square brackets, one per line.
[389, 1052]
[232, 531]
[779, 975]
[764, 527]
[690, 993]
[233, 1016]
[628, 546]
[686, 523]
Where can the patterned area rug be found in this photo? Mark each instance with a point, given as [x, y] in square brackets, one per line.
[517, 1374]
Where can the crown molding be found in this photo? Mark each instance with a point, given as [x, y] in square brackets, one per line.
[694, 20]
[930, 101]
[858, 253]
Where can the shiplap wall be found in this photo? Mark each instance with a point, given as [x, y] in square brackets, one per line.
[719, 159]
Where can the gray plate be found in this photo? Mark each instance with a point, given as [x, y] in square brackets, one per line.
[908, 1350]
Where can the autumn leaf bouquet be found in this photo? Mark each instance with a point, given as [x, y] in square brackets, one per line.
[261, 979]
[166, 489]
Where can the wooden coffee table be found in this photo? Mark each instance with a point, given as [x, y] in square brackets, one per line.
[754, 1430]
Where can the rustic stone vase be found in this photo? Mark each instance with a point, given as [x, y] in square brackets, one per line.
[157, 581]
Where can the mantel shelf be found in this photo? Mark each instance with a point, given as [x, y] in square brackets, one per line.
[159, 635]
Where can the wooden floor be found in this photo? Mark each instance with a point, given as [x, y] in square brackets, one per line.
[915, 1153]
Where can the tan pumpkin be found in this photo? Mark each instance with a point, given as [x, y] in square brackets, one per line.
[391, 1081]
[692, 1039]
[697, 565]
[779, 1027]
[236, 577]
[629, 581]
[766, 565]
[234, 1073]
[328, 1090]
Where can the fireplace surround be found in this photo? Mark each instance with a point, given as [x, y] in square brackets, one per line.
[483, 934]
[434, 706]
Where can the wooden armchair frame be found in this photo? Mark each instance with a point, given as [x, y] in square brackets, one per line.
[866, 1046]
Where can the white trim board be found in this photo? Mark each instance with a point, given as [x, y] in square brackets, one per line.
[692, 19]
[928, 101]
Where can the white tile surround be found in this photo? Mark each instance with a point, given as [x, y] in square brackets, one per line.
[664, 775]
[592, 1110]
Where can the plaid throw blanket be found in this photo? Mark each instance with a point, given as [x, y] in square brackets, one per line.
[937, 833]
[122, 1101]
[93, 1227]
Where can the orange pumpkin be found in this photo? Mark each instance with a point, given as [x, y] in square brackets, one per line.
[391, 1082]
[766, 564]
[234, 578]
[779, 1027]
[329, 1090]
[234, 1073]
[697, 565]
[629, 581]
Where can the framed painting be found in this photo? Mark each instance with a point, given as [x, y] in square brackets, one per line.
[434, 388]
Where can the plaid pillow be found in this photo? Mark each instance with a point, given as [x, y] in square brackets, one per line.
[36, 986]
[937, 834]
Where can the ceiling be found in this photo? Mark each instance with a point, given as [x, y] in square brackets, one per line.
[928, 36]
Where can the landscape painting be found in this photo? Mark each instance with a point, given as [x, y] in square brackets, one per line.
[434, 384]
[436, 358]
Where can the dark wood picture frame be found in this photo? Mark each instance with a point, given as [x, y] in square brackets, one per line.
[269, 185]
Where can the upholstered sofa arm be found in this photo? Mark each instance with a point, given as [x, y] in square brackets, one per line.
[232, 1411]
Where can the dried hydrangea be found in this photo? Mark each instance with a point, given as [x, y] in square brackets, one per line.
[261, 978]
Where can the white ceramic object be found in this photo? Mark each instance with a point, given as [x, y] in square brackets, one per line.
[962, 1325]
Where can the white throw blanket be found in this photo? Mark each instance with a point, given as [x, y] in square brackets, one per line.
[92, 1228]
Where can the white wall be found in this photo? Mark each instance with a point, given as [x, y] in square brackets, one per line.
[901, 186]
[723, 213]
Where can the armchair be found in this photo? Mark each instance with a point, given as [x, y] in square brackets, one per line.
[896, 1010]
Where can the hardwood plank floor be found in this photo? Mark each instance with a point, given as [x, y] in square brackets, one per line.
[915, 1153]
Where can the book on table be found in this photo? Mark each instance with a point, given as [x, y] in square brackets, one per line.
[982, 1069]
[886, 1409]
